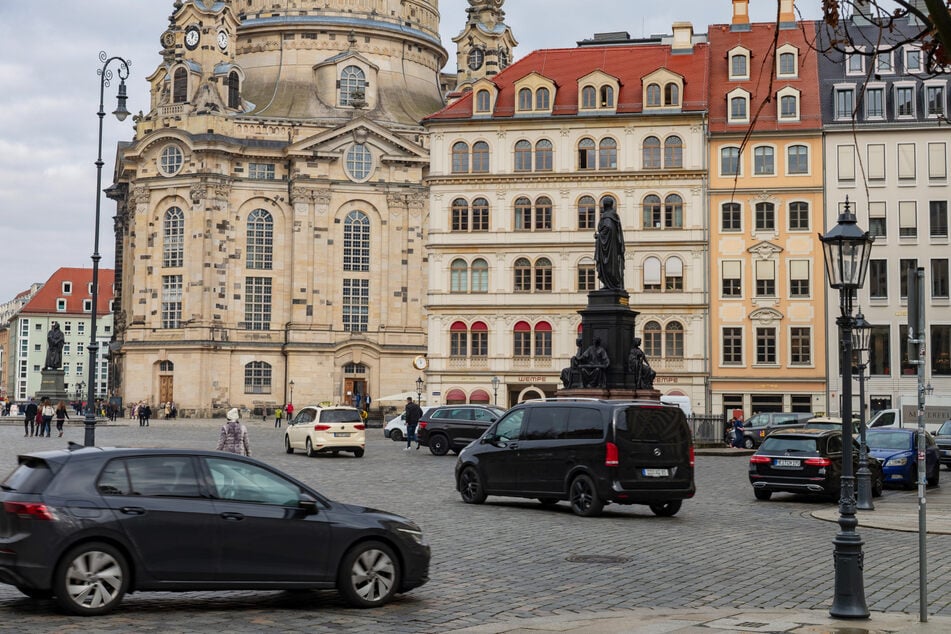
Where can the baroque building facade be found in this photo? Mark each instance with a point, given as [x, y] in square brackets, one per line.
[520, 166]
[271, 216]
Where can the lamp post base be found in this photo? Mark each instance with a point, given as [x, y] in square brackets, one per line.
[849, 560]
[863, 500]
[89, 437]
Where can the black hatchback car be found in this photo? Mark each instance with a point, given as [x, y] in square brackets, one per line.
[805, 461]
[452, 427]
[87, 525]
[587, 451]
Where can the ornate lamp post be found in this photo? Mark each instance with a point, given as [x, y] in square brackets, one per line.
[861, 332]
[495, 388]
[105, 75]
[847, 249]
[419, 390]
[290, 398]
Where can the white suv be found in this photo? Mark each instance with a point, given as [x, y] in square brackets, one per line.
[315, 429]
[395, 428]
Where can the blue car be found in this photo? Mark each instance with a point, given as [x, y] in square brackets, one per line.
[897, 451]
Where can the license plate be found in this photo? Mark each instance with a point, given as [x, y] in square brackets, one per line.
[655, 473]
[341, 434]
[946, 452]
[783, 462]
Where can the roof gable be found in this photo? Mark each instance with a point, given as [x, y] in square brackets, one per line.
[79, 280]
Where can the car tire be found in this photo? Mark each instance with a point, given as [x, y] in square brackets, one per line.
[666, 509]
[369, 575]
[470, 486]
[91, 579]
[584, 497]
[358, 453]
[762, 494]
[878, 485]
[35, 593]
[309, 446]
[748, 442]
[438, 444]
[396, 435]
[548, 501]
[935, 479]
[287, 444]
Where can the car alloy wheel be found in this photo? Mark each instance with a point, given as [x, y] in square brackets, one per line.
[287, 444]
[748, 443]
[396, 435]
[310, 448]
[438, 444]
[369, 575]
[470, 486]
[91, 579]
[584, 497]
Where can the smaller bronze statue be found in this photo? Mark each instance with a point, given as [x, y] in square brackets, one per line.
[640, 370]
[571, 376]
[54, 349]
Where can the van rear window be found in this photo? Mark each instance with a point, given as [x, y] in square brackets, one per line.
[31, 476]
[340, 416]
[655, 424]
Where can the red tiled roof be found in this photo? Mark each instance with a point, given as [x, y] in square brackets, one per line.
[565, 66]
[758, 41]
[45, 299]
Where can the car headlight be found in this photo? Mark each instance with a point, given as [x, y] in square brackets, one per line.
[897, 462]
[415, 534]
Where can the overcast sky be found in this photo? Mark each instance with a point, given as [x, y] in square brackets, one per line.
[49, 96]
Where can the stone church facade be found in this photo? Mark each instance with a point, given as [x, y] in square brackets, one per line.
[270, 223]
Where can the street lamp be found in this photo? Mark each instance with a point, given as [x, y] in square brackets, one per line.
[419, 390]
[847, 249]
[861, 333]
[495, 388]
[105, 75]
[290, 399]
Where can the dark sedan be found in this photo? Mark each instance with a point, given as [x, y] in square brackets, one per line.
[87, 525]
[897, 449]
[805, 461]
[942, 438]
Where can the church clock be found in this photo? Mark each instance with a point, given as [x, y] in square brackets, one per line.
[192, 37]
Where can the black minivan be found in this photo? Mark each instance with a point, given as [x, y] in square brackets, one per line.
[588, 451]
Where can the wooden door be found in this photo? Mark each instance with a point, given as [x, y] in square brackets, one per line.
[352, 387]
[165, 389]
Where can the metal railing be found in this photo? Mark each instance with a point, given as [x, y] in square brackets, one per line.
[707, 431]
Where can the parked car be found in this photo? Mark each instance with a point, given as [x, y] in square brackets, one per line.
[897, 449]
[761, 425]
[587, 451]
[805, 461]
[831, 422]
[318, 429]
[87, 525]
[395, 428]
[942, 439]
[452, 427]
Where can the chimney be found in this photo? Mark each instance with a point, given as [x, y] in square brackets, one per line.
[683, 37]
[787, 12]
[741, 16]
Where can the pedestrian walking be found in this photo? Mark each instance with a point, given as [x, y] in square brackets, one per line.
[48, 412]
[413, 413]
[147, 413]
[738, 437]
[289, 410]
[278, 413]
[61, 416]
[234, 436]
[29, 422]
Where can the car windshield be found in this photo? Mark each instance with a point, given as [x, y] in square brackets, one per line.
[340, 416]
[786, 444]
[945, 429]
[888, 440]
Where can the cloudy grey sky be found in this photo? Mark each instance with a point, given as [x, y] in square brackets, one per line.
[49, 96]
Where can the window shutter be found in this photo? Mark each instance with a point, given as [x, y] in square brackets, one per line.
[906, 160]
[937, 160]
[765, 270]
[876, 210]
[675, 267]
[732, 270]
[907, 214]
[846, 156]
[651, 271]
[799, 269]
[876, 162]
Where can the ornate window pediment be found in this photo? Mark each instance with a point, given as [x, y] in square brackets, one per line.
[765, 316]
[765, 250]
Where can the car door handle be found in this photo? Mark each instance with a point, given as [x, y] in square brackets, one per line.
[132, 510]
[232, 516]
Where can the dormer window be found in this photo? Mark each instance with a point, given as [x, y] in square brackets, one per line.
[671, 94]
[61, 305]
[855, 63]
[787, 61]
[536, 93]
[542, 99]
[662, 89]
[739, 63]
[653, 96]
[482, 101]
[738, 104]
[352, 85]
[525, 99]
[589, 97]
[67, 288]
[607, 97]
[788, 104]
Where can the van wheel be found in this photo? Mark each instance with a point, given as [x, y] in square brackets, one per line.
[369, 575]
[287, 444]
[584, 497]
[358, 453]
[438, 444]
[666, 509]
[470, 486]
[762, 494]
[91, 579]
[548, 501]
[310, 449]
[396, 435]
[748, 442]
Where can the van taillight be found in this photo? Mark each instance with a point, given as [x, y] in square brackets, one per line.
[29, 510]
[321, 427]
[610, 455]
[693, 460]
[359, 426]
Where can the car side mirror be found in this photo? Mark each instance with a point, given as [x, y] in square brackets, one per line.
[307, 503]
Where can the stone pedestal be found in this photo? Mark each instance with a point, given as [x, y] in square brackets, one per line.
[52, 386]
[609, 318]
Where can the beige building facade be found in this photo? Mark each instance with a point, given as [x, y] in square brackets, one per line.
[270, 209]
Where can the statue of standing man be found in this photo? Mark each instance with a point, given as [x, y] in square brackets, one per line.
[609, 248]
[54, 348]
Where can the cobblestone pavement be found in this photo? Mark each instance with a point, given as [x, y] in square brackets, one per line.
[510, 559]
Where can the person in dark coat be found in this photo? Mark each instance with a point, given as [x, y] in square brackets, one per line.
[413, 413]
[29, 422]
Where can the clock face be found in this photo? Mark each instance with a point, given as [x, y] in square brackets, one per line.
[168, 39]
[192, 36]
[222, 40]
[476, 58]
[420, 363]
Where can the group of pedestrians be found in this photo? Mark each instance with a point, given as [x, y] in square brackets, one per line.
[38, 418]
[281, 412]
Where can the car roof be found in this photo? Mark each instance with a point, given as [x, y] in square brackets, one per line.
[892, 430]
[327, 407]
[62, 455]
[825, 419]
[804, 432]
